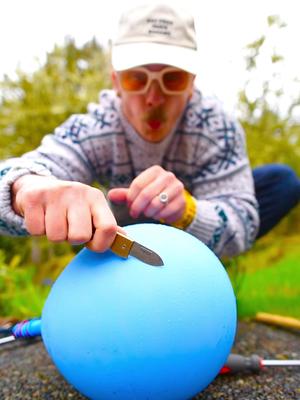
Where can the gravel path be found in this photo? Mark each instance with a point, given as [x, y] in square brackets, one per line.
[43, 382]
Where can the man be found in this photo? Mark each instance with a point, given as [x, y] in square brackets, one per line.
[165, 152]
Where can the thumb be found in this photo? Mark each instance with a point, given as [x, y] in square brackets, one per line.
[118, 195]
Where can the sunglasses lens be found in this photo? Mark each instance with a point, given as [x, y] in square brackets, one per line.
[172, 80]
[176, 81]
[133, 80]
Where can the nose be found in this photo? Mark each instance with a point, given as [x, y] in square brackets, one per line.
[154, 95]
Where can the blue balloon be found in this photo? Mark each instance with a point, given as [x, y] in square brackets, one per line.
[122, 329]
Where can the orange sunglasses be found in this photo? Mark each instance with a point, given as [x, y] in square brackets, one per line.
[137, 80]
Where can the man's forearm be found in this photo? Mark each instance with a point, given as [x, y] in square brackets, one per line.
[228, 227]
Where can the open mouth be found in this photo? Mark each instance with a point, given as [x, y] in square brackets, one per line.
[154, 124]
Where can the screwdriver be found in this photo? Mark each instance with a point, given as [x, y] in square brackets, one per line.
[237, 363]
[24, 329]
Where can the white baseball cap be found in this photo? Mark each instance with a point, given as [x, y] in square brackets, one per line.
[156, 34]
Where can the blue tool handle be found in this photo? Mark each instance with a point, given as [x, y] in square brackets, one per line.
[28, 328]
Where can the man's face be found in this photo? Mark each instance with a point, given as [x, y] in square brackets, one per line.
[153, 113]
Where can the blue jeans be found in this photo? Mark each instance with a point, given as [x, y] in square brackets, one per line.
[277, 190]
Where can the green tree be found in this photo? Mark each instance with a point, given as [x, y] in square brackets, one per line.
[273, 132]
[34, 104]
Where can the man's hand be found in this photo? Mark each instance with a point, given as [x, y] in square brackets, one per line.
[142, 197]
[64, 210]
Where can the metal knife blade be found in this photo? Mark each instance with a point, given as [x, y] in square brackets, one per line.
[123, 246]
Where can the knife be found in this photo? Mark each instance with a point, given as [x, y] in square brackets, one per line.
[123, 246]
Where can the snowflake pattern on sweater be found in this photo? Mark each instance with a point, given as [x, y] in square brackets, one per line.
[206, 151]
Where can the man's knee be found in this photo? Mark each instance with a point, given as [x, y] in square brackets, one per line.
[290, 180]
[278, 192]
[280, 175]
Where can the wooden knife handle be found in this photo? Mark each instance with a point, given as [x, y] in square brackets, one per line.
[121, 245]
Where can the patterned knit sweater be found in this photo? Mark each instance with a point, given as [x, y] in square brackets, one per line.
[206, 151]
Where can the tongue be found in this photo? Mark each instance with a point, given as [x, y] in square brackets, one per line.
[154, 124]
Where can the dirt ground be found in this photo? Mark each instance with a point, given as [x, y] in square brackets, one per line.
[26, 371]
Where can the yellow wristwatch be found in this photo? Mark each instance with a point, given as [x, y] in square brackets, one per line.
[189, 212]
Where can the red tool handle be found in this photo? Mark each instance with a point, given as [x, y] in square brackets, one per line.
[236, 363]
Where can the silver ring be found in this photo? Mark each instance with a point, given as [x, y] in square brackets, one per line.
[163, 198]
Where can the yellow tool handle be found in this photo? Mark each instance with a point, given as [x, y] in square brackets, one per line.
[121, 245]
[287, 322]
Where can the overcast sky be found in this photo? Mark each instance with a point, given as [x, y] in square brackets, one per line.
[30, 28]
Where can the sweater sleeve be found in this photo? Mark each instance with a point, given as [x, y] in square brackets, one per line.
[60, 155]
[227, 212]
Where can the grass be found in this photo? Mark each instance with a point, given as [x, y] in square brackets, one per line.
[25, 287]
[20, 296]
[268, 280]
